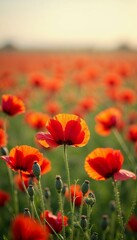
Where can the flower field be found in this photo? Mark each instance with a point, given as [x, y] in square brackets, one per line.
[68, 139]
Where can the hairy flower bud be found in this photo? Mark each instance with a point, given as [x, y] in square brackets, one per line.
[94, 236]
[27, 212]
[59, 183]
[90, 199]
[31, 192]
[85, 187]
[47, 193]
[105, 222]
[83, 222]
[64, 189]
[4, 151]
[36, 170]
[112, 206]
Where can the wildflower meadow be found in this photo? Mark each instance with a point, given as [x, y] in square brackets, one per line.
[68, 141]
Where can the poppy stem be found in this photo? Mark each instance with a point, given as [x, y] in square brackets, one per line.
[132, 205]
[68, 174]
[118, 205]
[62, 212]
[14, 191]
[123, 146]
[41, 195]
[68, 179]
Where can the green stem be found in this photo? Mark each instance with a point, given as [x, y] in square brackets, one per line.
[132, 206]
[120, 217]
[68, 174]
[62, 212]
[14, 192]
[123, 146]
[35, 210]
[41, 196]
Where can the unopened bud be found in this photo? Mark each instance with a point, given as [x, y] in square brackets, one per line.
[59, 183]
[85, 187]
[31, 192]
[83, 222]
[112, 206]
[104, 222]
[27, 212]
[4, 151]
[47, 193]
[36, 170]
[64, 189]
[94, 236]
[90, 199]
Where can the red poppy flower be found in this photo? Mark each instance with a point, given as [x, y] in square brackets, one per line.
[4, 198]
[26, 228]
[12, 105]
[52, 108]
[64, 129]
[132, 223]
[37, 80]
[3, 138]
[132, 133]
[36, 120]
[56, 222]
[21, 158]
[112, 79]
[76, 194]
[127, 96]
[108, 119]
[103, 163]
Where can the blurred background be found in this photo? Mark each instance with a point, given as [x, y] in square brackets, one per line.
[63, 24]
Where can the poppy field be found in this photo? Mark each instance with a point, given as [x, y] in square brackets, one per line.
[68, 141]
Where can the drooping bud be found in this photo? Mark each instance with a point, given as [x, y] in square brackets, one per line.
[64, 189]
[83, 222]
[59, 183]
[27, 212]
[112, 206]
[94, 236]
[36, 170]
[47, 193]
[31, 192]
[105, 222]
[90, 199]
[85, 187]
[4, 151]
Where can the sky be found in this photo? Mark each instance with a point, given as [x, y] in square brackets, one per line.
[71, 23]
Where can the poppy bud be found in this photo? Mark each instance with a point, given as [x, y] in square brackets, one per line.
[104, 222]
[4, 151]
[90, 199]
[83, 222]
[94, 236]
[31, 192]
[112, 206]
[59, 183]
[64, 188]
[36, 170]
[85, 187]
[47, 193]
[27, 212]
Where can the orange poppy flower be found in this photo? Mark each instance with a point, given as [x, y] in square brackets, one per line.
[103, 163]
[108, 119]
[26, 228]
[21, 158]
[76, 194]
[4, 198]
[132, 133]
[36, 120]
[3, 138]
[56, 222]
[12, 105]
[64, 129]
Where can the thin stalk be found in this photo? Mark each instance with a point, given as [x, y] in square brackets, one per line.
[35, 210]
[68, 174]
[62, 212]
[120, 217]
[133, 205]
[124, 146]
[14, 192]
[41, 195]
